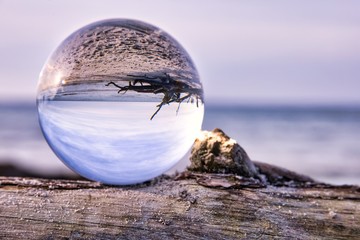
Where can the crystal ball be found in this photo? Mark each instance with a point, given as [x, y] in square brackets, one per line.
[120, 101]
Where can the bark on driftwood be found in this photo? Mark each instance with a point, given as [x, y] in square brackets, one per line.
[221, 203]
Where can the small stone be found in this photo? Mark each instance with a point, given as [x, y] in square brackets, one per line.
[215, 152]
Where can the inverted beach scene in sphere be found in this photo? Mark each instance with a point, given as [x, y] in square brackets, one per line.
[120, 101]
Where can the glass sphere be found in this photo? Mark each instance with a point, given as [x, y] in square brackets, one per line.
[120, 101]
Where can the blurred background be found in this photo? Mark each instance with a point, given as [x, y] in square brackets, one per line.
[281, 77]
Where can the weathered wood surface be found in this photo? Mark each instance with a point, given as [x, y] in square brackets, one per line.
[181, 208]
[224, 196]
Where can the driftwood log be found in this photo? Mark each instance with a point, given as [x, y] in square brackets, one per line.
[215, 199]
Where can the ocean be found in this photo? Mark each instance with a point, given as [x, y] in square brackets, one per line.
[322, 142]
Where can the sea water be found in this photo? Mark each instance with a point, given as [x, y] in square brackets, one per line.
[116, 142]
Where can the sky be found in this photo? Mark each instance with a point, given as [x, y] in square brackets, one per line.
[246, 52]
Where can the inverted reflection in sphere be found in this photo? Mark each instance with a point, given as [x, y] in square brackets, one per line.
[120, 101]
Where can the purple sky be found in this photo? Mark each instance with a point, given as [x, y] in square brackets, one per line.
[245, 51]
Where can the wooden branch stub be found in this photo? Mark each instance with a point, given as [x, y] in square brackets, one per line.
[216, 152]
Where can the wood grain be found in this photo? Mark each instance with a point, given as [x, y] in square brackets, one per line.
[175, 208]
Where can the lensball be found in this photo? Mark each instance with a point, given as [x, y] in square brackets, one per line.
[120, 101]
